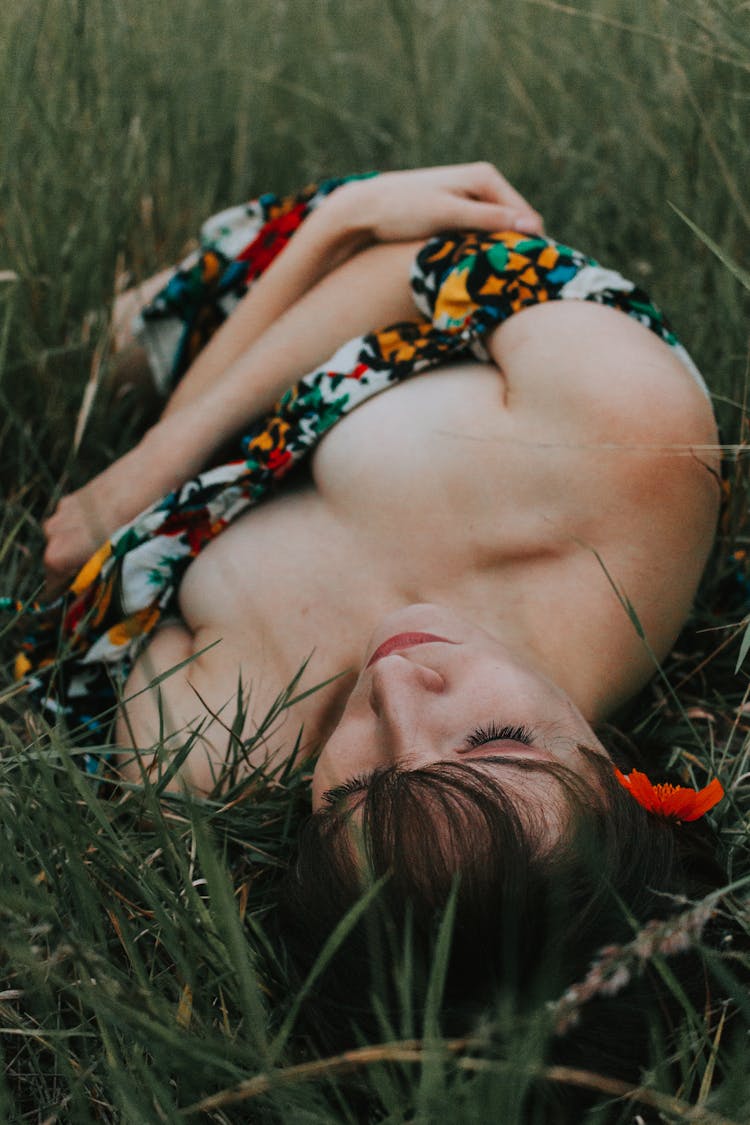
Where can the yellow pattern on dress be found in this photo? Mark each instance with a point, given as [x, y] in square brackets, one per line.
[453, 304]
[90, 570]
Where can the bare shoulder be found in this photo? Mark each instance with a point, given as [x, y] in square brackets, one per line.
[592, 371]
[634, 430]
[636, 451]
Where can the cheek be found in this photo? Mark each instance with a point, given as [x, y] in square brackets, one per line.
[336, 764]
[321, 781]
[352, 748]
[513, 690]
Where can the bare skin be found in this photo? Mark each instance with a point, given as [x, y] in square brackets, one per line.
[498, 526]
[422, 699]
[283, 328]
[506, 497]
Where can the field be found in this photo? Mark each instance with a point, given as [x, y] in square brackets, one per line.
[138, 975]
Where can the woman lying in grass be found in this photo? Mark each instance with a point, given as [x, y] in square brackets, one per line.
[526, 495]
[480, 566]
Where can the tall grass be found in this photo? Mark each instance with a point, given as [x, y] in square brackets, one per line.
[138, 977]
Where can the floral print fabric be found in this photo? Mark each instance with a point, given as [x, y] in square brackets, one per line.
[236, 246]
[77, 653]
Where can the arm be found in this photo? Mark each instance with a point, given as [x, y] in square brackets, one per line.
[296, 316]
[393, 207]
[374, 283]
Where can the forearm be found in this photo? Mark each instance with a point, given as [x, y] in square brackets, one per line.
[369, 290]
[328, 237]
[396, 207]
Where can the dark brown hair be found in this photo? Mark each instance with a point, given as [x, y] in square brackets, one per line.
[530, 914]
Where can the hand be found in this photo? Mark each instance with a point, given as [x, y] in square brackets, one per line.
[88, 517]
[74, 532]
[403, 206]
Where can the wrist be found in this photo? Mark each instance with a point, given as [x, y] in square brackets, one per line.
[347, 219]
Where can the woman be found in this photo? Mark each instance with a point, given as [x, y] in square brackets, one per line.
[481, 567]
[528, 494]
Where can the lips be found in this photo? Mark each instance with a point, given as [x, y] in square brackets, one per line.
[402, 641]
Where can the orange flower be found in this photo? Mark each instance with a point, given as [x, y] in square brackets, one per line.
[674, 801]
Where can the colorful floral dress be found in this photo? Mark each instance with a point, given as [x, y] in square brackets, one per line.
[77, 653]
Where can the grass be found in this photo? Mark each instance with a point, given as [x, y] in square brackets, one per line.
[138, 977]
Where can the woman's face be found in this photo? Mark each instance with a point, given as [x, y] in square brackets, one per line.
[436, 688]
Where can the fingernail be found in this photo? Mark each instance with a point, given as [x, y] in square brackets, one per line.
[526, 223]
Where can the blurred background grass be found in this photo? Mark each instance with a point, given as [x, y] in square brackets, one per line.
[130, 940]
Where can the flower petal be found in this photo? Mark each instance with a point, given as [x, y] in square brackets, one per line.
[675, 801]
[644, 792]
[704, 800]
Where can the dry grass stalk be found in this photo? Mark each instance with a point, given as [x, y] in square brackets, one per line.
[615, 965]
[414, 1051]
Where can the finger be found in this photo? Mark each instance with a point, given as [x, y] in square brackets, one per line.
[57, 574]
[54, 586]
[471, 213]
[530, 222]
[492, 187]
[58, 559]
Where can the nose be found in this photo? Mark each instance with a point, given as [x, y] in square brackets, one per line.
[402, 697]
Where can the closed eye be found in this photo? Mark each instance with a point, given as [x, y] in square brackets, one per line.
[356, 784]
[480, 736]
[493, 732]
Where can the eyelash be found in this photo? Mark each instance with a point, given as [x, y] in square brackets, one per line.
[353, 785]
[495, 733]
[478, 737]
